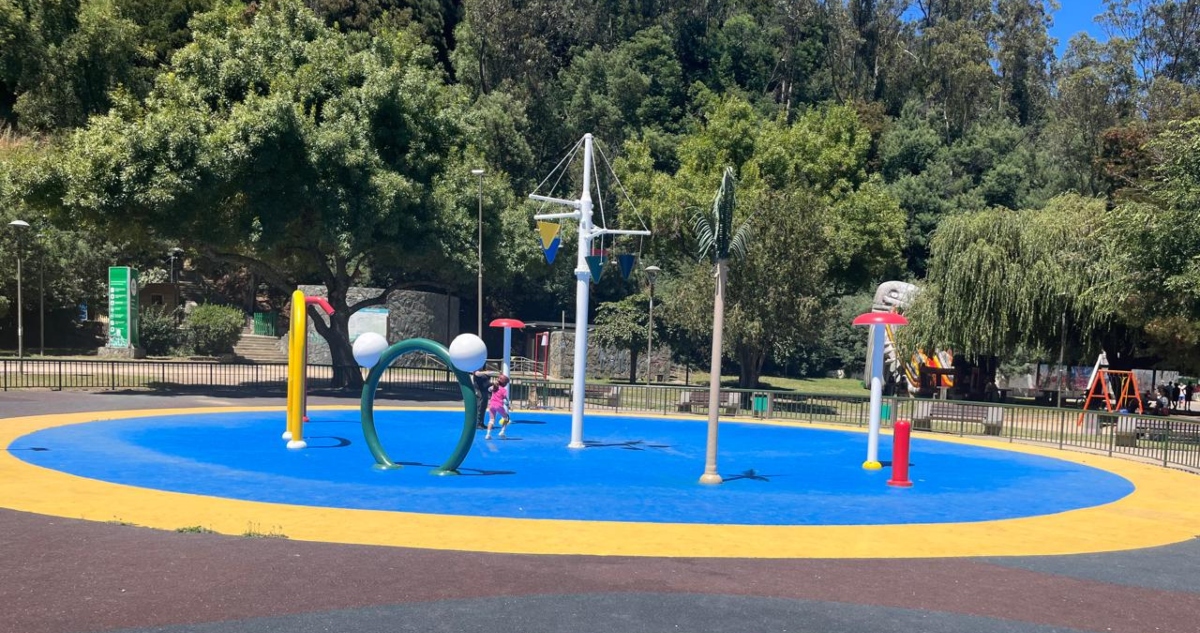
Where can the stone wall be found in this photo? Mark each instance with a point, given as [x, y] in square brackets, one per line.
[411, 314]
[602, 362]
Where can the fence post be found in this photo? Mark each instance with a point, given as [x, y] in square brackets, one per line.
[1167, 444]
[60, 383]
[1062, 428]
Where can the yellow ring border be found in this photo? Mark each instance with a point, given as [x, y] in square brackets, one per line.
[1163, 509]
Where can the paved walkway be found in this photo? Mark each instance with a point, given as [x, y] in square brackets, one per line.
[70, 576]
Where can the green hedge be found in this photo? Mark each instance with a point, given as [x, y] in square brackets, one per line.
[213, 330]
[159, 332]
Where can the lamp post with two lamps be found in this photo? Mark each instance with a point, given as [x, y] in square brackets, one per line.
[651, 275]
[19, 225]
[479, 294]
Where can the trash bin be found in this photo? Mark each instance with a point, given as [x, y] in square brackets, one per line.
[760, 405]
[885, 412]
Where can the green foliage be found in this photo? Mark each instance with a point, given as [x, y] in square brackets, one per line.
[159, 331]
[331, 141]
[213, 330]
[1000, 280]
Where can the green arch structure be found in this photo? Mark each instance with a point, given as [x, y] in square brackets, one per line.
[450, 467]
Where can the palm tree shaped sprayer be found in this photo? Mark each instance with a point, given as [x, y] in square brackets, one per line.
[715, 233]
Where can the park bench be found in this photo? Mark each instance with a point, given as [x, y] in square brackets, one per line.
[690, 401]
[609, 396]
[928, 411]
[1168, 431]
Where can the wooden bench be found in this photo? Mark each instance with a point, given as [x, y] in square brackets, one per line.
[689, 401]
[928, 411]
[607, 396]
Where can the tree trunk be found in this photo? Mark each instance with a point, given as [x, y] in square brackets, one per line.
[346, 374]
[710, 475]
[633, 364]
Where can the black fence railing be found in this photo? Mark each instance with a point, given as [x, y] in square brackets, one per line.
[1170, 442]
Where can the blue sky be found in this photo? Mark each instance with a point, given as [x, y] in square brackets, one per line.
[1075, 16]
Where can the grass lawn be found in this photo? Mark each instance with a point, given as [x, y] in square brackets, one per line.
[834, 386]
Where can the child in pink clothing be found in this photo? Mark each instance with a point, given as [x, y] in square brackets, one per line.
[496, 407]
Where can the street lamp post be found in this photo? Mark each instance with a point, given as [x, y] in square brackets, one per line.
[1062, 348]
[479, 286]
[651, 275]
[19, 224]
[41, 294]
[175, 251]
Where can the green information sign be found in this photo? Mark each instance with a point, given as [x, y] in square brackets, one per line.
[122, 307]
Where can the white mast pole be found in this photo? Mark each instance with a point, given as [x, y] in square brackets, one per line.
[583, 276]
[587, 232]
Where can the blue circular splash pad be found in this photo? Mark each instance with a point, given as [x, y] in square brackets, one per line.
[634, 469]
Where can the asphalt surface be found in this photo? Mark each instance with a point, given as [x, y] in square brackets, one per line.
[59, 575]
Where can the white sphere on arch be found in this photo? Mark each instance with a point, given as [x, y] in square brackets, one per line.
[468, 352]
[368, 347]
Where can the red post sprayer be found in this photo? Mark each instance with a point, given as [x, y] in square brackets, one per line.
[900, 436]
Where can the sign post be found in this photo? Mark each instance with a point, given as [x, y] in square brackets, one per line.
[122, 312]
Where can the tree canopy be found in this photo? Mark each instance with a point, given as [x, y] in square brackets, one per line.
[331, 142]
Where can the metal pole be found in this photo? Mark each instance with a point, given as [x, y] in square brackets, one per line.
[651, 276]
[479, 266]
[583, 276]
[877, 341]
[20, 320]
[42, 303]
[1062, 347]
[18, 225]
[650, 338]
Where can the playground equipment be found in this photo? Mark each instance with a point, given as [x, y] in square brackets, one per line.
[466, 354]
[895, 296]
[901, 434]
[878, 321]
[297, 404]
[506, 360]
[584, 265]
[1114, 401]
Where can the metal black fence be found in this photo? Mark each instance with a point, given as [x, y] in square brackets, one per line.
[1170, 442]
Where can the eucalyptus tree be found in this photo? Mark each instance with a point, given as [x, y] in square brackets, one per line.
[297, 151]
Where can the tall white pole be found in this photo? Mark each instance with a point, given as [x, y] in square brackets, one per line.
[479, 262]
[876, 343]
[582, 277]
[587, 232]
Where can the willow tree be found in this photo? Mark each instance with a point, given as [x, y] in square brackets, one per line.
[1001, 281]
[716, 234]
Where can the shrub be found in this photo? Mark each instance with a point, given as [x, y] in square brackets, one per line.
[212, 330]
[158, 331]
